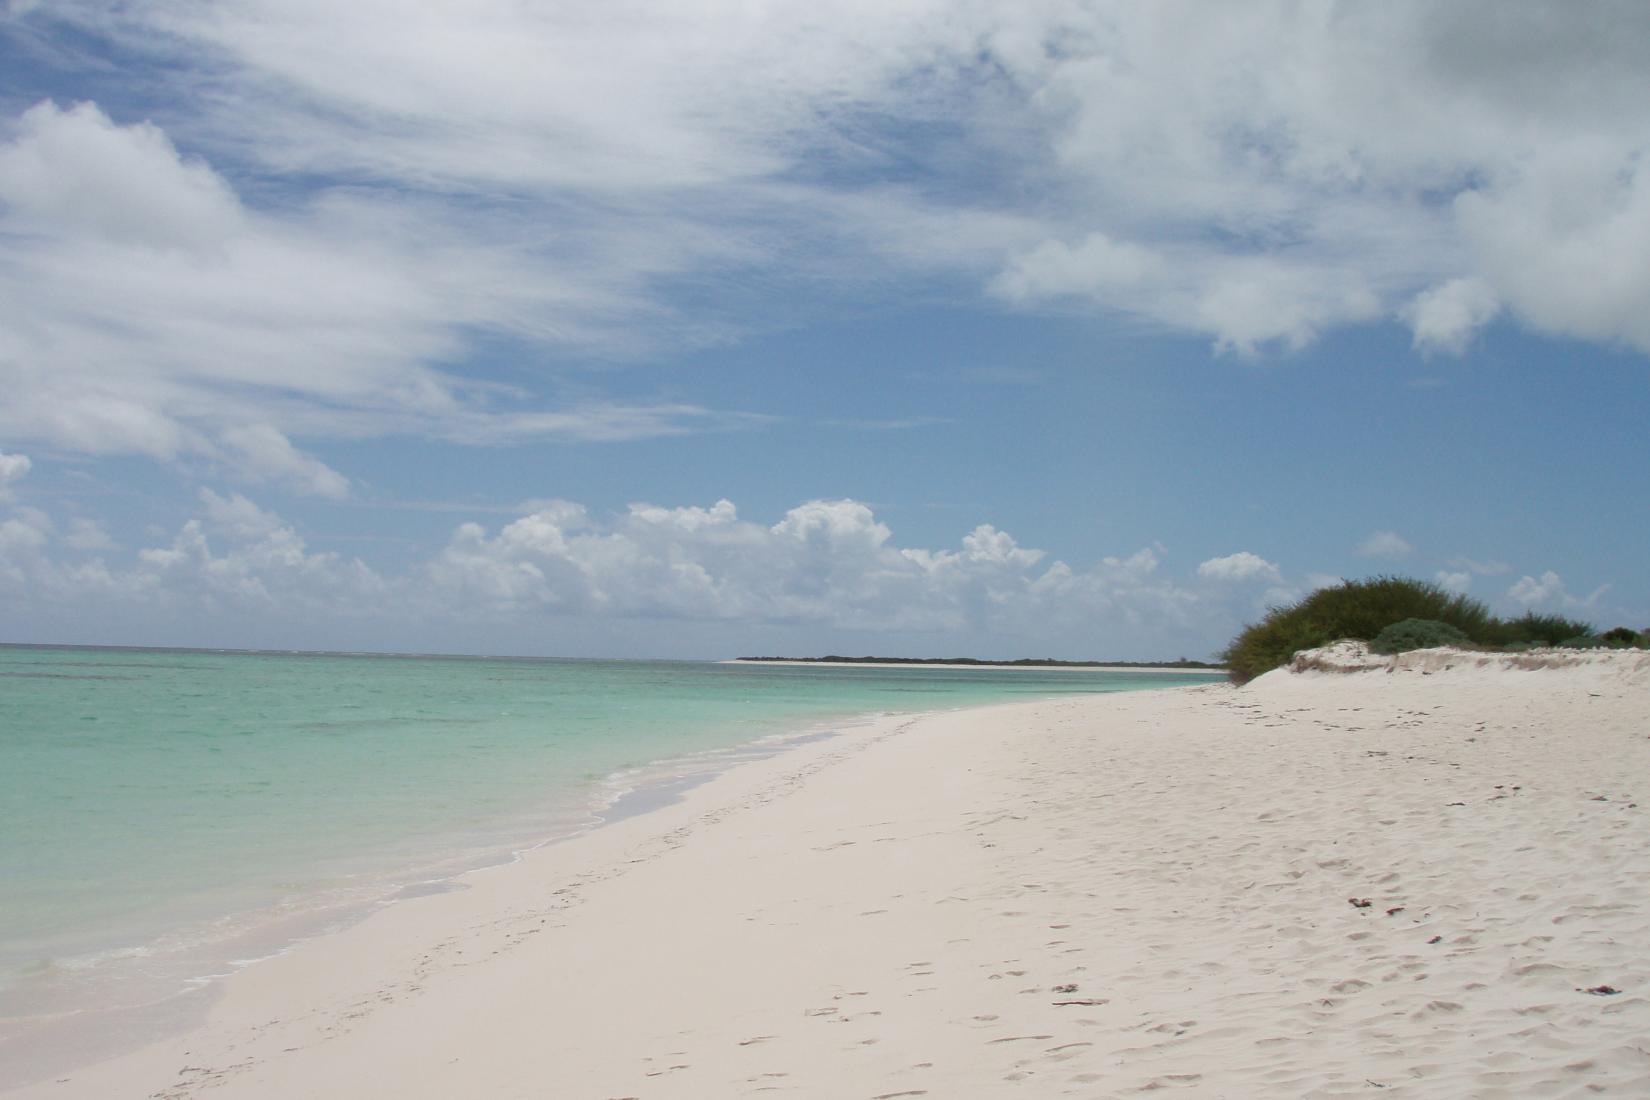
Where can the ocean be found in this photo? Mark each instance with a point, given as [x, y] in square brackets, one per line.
[167, 816]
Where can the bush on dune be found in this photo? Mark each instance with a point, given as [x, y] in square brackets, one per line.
[1395, 614]
[1354, 609]
[1532, 629]
[1621, 637]
[1417, 634]
[1270, 642]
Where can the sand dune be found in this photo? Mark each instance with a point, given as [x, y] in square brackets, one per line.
[1430, 877]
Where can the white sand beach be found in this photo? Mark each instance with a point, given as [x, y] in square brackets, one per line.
[1428, 878]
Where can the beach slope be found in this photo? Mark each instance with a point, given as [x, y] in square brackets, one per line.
[1429, 876]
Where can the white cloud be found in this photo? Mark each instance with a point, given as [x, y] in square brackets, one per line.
[88, 535]
[1292, 162]
[1482, 568]
[1384, 544]
[344, 202]
[1259, 173]
[1241, 566]
[238, 560]
[987, 544]
[1454, 582]
[13, 468]
[1445, 317]
[145, 309]
[1550, 591]
[239, 518]
[1567, 240]
[23, 538]
[823, 565]
[824, 562]
[1096, 267]
[268, 455]
[75, 173]
[825, 569]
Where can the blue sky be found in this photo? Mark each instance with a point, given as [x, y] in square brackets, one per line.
[1087, 330]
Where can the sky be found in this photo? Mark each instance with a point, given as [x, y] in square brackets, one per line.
[1065, 328]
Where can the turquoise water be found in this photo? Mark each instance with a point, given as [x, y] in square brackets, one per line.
[167, 813]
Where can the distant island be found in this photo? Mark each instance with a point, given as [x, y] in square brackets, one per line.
[1023, 662]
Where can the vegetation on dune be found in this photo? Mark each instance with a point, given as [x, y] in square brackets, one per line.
[1531, 629]
[1620, 637]
[1395, 614]
[1417, 634]
[1354, 609]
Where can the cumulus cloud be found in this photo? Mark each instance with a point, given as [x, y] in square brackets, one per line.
[987, 544]
[1444, 318]
[1567, 237]
[828, 562]
[825, 569]
[75, 173]
[23, 539]
[235, 558]
[12, 470]
[828, 565]
[1384, 544]
[1316, 149]
[1241, 566]
[1550, 591]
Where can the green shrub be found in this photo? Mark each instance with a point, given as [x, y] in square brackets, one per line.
[1417, 634]
[1532, 629]
[1620, 637]
[1269, 643]
[1354, 609]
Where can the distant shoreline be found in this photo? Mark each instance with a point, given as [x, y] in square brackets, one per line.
[1031, 663]
[869, 662]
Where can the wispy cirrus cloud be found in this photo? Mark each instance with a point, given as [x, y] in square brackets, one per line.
[308, 221]
[149, 310]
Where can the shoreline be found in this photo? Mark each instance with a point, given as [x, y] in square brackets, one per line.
[150, 964]
[1107, 892]
[625, 813]
[983, 666]
[270, 932]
